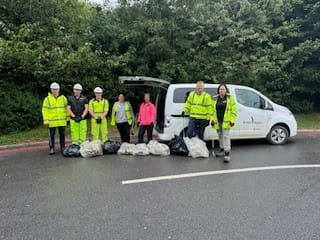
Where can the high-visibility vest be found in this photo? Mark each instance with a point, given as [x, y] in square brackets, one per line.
[198, 106]
[54, 110]
[230, 114]
[127, 109]
[99, 107]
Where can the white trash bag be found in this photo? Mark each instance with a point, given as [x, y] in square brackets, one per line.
[141, 149]
[91, 149]
[197, 148]
[156, 148]
[126, 148]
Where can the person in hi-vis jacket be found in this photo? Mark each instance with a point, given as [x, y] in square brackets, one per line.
[223, 119]
[98, 109]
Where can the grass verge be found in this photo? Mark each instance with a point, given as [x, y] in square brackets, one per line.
[308, 121]
[41, 134]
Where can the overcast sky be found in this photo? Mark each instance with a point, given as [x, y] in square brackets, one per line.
[102, 1]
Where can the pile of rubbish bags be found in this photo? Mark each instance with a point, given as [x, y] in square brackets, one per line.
[182, 146]
[142, 149]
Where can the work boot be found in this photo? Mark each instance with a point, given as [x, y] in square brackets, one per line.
[220, 153]
[51, 151]
[226, 158]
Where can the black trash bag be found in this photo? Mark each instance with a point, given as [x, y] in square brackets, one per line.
[72, 151]
[178, 147]
[111, 147]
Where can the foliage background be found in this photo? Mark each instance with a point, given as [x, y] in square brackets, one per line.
[271, 45]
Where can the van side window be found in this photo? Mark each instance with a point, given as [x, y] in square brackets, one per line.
[249, 98]
[180, 95]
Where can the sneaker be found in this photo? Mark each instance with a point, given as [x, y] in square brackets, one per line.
[226, 158]
[62, 149]
[220, 153]
[51, 151]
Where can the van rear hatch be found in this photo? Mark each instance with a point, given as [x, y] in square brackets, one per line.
[162, 86]
[144, 81]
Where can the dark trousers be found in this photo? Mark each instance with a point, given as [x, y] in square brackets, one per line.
[52, 132]
[197, 127]
[142, 129]
[124, 130]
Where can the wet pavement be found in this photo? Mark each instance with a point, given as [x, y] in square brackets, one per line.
[52, 197]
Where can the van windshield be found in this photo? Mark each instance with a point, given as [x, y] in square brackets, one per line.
[180, 94]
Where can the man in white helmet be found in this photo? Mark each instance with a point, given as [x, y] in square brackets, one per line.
[78, 109]
[98, 109]
[54, 112]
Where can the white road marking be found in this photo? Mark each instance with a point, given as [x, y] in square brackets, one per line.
[197, 174]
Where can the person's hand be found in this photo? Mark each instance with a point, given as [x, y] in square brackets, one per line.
[231, 124]
[77, 119]
[46, 125]
[98, 120]
[212, 123]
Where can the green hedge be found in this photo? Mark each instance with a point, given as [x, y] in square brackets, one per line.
[20, 109]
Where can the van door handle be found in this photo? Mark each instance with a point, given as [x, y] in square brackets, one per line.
[179, 115]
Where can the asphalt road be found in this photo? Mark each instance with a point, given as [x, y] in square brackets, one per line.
[52, 197]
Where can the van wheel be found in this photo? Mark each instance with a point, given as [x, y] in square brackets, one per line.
[278, 135]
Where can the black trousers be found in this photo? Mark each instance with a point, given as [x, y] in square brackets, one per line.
[142, 129]
[52, 132]
[124, 130]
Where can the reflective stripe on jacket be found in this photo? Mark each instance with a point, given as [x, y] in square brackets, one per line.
[198, 106]
[230, 114]
[99, 107]
[54, 110]
[127, 109]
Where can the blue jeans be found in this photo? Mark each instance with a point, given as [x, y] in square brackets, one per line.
[197, 127]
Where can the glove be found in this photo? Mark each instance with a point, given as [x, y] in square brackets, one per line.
[212, 123]
[77, 119]
[231, 124]
[182, 114]
[98, 120]
[46, 125]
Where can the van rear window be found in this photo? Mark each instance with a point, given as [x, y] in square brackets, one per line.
[180, 94]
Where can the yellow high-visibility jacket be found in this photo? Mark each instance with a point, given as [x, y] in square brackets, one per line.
[230, 114]
[199, 106]
[127, 109]
[99, 107]
[54, 110]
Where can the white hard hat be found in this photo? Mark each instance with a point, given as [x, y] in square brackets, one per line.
[98, 90]
[77, 86]
[55, 85]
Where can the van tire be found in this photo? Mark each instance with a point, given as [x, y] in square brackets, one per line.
[278, 135]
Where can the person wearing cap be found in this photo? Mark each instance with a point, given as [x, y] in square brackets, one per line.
[98, 109]
[54, 113]
[78, 108]
[122, 116]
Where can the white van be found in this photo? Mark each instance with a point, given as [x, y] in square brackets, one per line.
[258, 116]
